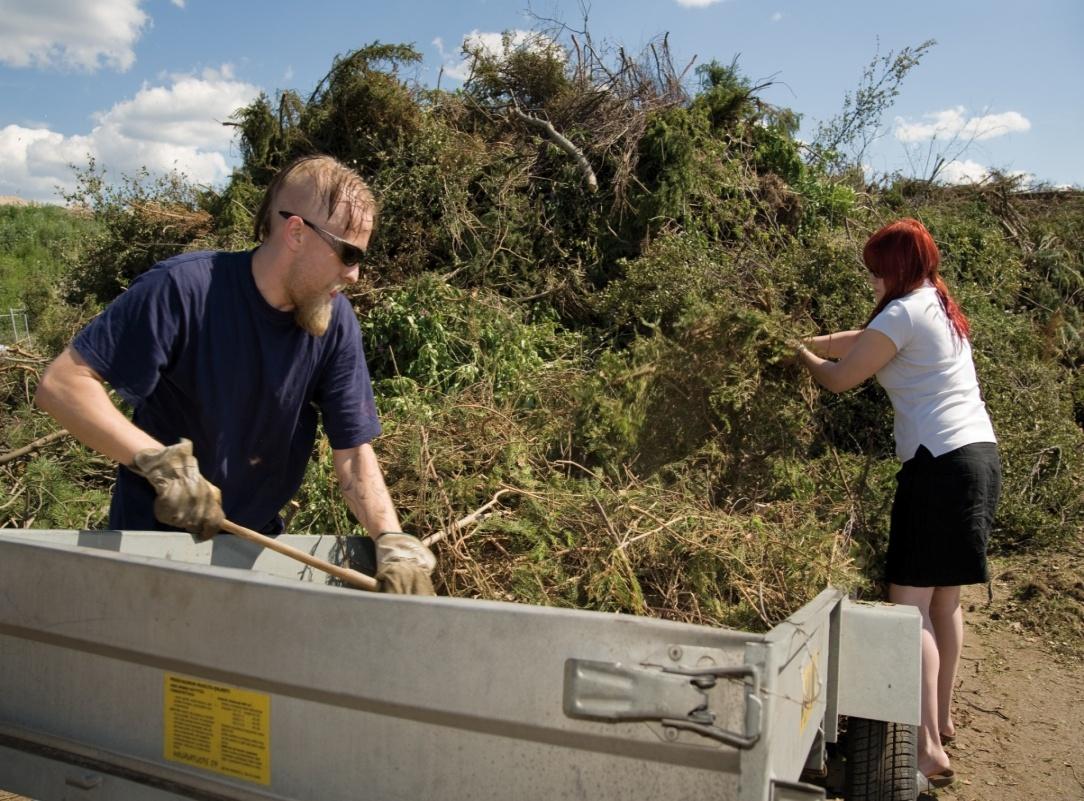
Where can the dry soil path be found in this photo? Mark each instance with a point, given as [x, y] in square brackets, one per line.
[1019, 709]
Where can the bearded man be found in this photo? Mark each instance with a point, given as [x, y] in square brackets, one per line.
[226, 359]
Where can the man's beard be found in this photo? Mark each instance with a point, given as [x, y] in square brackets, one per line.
[314, 314]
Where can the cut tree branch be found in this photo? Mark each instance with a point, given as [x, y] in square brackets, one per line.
[550, 133]
[41, 442]
[473, 517]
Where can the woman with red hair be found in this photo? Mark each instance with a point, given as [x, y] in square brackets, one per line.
[916, 343]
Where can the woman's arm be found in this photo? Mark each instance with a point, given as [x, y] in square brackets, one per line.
[870, 351]
[833, 346]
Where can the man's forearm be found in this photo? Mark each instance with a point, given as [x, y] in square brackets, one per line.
[76, 398]
[364, 490]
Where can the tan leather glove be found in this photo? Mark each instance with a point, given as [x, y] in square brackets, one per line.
[403, 564]
[402, 578]
[185, 498]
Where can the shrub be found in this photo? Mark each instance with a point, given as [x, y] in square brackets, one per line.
[140, 222]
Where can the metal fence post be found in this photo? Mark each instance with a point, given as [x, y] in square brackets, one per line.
[12, 315]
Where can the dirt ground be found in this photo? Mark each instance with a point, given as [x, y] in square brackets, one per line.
[1020, 688]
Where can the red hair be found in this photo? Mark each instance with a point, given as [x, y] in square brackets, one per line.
[904, 256]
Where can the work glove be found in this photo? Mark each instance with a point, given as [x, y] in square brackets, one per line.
[403, 564]
[185, 498]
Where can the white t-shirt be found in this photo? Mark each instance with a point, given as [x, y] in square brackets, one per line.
[931, 380]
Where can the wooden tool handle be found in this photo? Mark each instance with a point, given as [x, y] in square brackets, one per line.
[351, 577]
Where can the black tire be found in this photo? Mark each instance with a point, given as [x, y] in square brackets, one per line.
[881, 761]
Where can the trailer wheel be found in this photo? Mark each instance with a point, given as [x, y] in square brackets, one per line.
[881, 761]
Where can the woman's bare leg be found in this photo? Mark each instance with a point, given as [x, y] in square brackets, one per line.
[931, 755]
[948, 629]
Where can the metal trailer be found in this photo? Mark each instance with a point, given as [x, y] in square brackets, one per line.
[139, 666]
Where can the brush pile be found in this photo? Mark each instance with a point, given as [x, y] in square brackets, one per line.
[575, 313]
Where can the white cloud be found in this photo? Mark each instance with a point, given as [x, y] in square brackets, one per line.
[963, 172]
[163, 128]
[954, 123]
[460, 70]
[698, 3]
[489, 43]
[778, 15]
[33, 161]
[70, 34]
[970, 172]
[190, 112]
[178, 3]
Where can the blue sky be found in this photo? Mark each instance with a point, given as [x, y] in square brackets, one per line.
[147, 82]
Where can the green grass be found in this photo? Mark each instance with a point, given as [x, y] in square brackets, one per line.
[36, 243]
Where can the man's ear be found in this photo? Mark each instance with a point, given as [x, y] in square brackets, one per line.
[290, 234]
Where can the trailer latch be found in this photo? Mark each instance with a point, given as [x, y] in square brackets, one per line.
[676, 697]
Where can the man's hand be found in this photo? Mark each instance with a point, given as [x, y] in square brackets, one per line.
[185, 498]
[403, 564]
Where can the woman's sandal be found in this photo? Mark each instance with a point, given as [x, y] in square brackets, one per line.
[938, 780]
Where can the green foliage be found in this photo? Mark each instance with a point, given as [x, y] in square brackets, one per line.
[55, 321]
[825, 200]
[690, 181]
[36, 244]
[775, 151]
[725, 94]
[234, 212]
[532, 71]
[361, 111]
[655, 290]
[715, 391]
[140, 221]
[440, 192]
[444, 338]
[1042, 447]
[975, 251]
[269, 136]
[58, 497]
[608, 372]
[64, 486]
[667, 162]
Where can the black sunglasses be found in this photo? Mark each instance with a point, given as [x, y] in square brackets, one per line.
[349, 254]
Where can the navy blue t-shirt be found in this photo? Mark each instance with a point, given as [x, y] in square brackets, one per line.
[196, 350]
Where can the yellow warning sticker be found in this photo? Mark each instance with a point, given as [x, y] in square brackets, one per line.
[809, 689]
[217, 727]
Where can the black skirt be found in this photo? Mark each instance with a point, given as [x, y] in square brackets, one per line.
[942, 516]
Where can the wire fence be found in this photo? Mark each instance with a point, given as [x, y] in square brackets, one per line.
[14, 326]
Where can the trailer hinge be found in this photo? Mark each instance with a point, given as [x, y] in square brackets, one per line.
[674, 696]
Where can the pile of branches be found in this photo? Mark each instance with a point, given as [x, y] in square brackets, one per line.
[576, 320]
[518, 518]
[46, 478]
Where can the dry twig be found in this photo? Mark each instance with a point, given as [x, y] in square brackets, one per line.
[40, 442]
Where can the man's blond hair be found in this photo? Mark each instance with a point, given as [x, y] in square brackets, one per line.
[332, 182]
